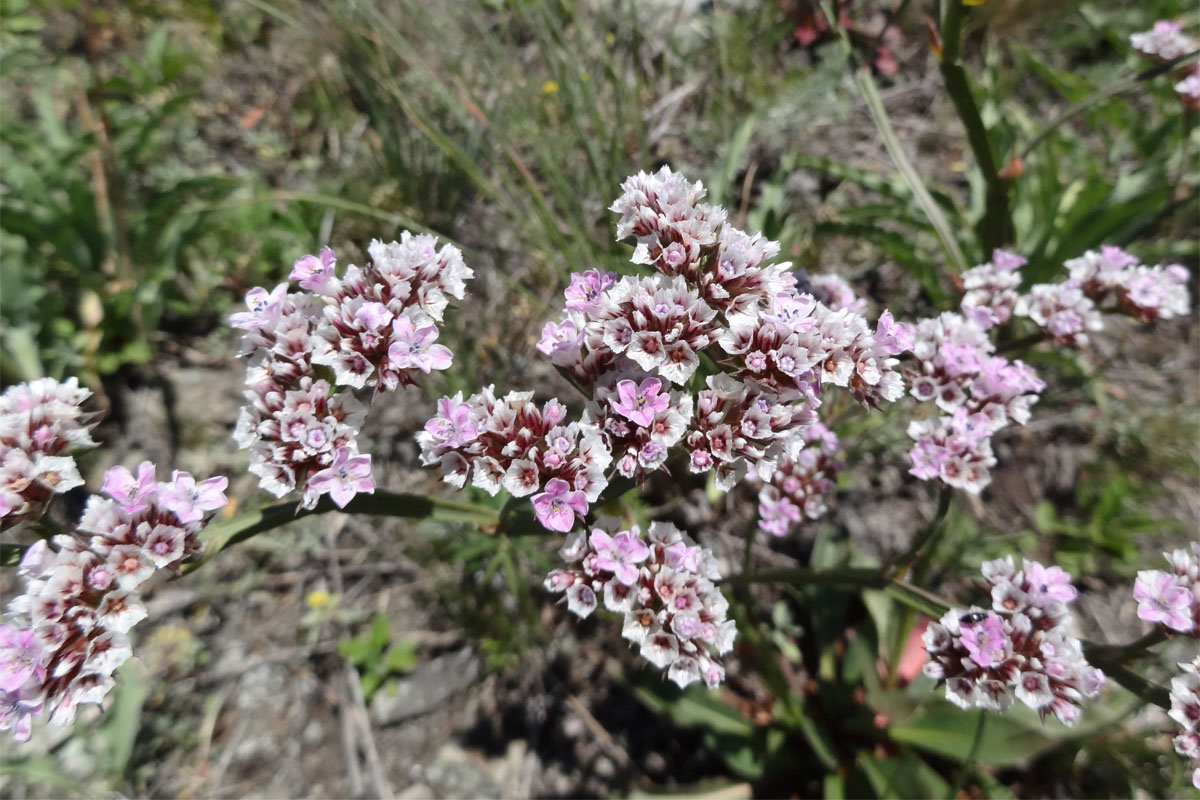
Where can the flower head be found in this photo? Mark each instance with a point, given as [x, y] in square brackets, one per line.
[348, 475]
[190, 500]
[556, 507]
[314, 272]
[1161, 599]
[640, 402]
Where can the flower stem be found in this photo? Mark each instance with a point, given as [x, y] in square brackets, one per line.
[870, 93]
[995, 228]
[926, 535]
[219, 536]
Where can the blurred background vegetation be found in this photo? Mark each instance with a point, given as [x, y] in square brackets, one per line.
[160, 158]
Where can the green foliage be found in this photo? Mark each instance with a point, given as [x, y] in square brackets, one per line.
[108, 232]
[376, 657]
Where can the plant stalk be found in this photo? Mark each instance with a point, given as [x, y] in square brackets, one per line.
[995, 229]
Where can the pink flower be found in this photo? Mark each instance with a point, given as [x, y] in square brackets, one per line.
[373, 316]
[584, 292]
[891, 336]
[129, 492]
[1048, 584]
[189, 500]
[556, 507]
[264, 307]
[640, 403]
[986, 641]
[17, 710]
[346, 476]
[314, 272]
[619, 554]
[452, 426]
[20, 658]
[1161, 599]
[413, 347]
[561, 337]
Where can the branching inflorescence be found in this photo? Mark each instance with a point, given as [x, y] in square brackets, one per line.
[633, 345]
[65, 634]
[41, 423]
[1020, 648]
[307, 350]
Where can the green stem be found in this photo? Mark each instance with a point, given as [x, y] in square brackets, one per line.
[1150, 692]
[968, 765]
[219, 536]
[1102, 94]
[926, 535]
[870, 93]
[996, 226]
[1120, 653]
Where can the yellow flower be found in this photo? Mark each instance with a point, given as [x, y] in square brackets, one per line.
[318, 598]
[550, 87]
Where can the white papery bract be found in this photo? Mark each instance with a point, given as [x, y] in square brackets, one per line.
[665, 586]
[41, 423]
[376, 326]
[1185, 710]
[67, 632]
[1020, 649]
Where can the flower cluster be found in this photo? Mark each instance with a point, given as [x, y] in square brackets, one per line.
[958, 370]
[374, 326]
[41, 423]
[1185, 709]
[990, 290]
[663, 584]
[1165, 42]
[513, 443]
[633, 344]
[978, 392]
[801, 485]
[1021, 647]
[1063, 310]
[1172, 599]
[1114, 278]
[68, 631]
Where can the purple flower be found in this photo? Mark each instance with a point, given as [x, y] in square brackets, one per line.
[556, 507]
[17, 710]
[346, 476]
[584, 292]
[314, 272]
[264, 307]
[130, 493]
[640, 403]
[189, 500]
[986, 642]
[619, 554]
[1161, 599]
[452, 426]
[562, 337]
[893, 337]
[20, 658]
[1048, 584]
[413, 347]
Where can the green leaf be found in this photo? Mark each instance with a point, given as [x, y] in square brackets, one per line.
[901, 776]
[121, 724]
[379, 632]
[697, 707]
[949, 731]
[402, 657]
